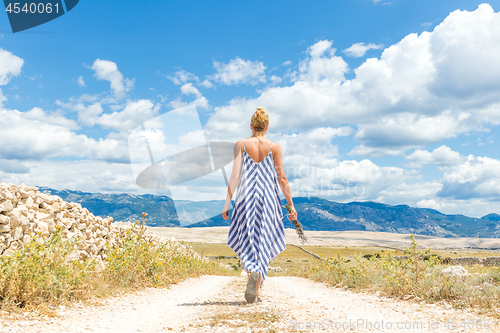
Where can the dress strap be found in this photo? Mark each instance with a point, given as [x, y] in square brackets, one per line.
[243, 145]
[271, 147]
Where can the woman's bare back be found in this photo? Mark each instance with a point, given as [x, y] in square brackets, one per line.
[257, 150]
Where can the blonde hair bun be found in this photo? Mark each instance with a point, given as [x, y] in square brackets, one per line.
[260, 119]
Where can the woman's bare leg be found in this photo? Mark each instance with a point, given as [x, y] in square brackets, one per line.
[258, 284]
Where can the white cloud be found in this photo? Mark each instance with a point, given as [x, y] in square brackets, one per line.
[191, 139]
[350, 180]
[108, 70]
[88, 115]
[384, 3]
[315, 146]
[286, 63]
[182, 77]
[442, 156]
[403, 131]
[476, 177]
[112, 149]
[322, 64]
[275, 80]
[239, 71]
[429, 203]
[470, 185]
[13, 166]
[465, 48]
[207, 84]
[359, 49]
[80, 81]
[2, 98]
[123, 118]
[313, 168]
[189, 89]
[10, 65]
[470, 207]
[50, 118]
[32, 136]
[363, 150]
[134, 114]
[91, 176]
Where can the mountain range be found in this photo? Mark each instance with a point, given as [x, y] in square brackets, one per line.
[314, 214]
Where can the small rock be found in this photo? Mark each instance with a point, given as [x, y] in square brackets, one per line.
[455, 271]
[6, 205]
[4, 228]
[4, 219]
[17, 233]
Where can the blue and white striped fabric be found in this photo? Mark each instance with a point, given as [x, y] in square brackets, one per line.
[256, 232]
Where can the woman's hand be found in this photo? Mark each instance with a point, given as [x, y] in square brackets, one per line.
[293, 215]
[225, 212]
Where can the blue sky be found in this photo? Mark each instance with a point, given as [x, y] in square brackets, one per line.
[391, 101]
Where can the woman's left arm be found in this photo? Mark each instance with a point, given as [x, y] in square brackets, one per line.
[233, 181]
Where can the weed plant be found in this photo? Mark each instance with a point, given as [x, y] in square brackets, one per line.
[45, 271]
[409, 278]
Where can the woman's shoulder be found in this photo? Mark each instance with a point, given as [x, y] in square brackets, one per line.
[239, 144]
[276, 146]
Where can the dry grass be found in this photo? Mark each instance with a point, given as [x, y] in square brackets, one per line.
[41, 274]
[410, 279]
[406, 279]
[212, 249]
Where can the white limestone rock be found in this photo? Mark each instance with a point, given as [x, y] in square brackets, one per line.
[28, 202]
[23, 193]
[4, 219]
[4, 228]
[8, 195]
[455, 271]
[42, 227]
[6, 205]
[17, 233]
[17, 219]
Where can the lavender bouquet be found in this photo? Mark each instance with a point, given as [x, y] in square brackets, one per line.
[298, 226]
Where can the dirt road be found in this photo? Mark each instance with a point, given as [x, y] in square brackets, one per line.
[216, 304]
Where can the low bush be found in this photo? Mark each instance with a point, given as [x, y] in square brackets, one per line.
[409, 278]
[46, 271]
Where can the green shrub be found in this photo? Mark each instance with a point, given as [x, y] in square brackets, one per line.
[44, 271]
[409, 278]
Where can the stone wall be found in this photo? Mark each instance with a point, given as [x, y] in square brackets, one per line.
[26, 212]
[488, 261]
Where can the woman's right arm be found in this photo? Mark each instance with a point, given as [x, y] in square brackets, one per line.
[234, 179]
[282, 180]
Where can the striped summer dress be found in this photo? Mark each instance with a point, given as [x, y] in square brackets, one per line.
[256, 232]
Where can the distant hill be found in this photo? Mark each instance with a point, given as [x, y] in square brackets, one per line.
[124, 207]
[314, 214]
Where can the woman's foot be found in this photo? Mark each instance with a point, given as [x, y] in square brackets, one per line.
[251, 291]
[258, 299]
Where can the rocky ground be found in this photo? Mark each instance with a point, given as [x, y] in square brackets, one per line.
[216, 304]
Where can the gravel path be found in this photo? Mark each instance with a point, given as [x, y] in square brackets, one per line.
[216, 304]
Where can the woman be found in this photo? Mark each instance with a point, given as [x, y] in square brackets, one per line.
[256, 232]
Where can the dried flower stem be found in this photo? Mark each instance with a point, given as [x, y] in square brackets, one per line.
[298, 226]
